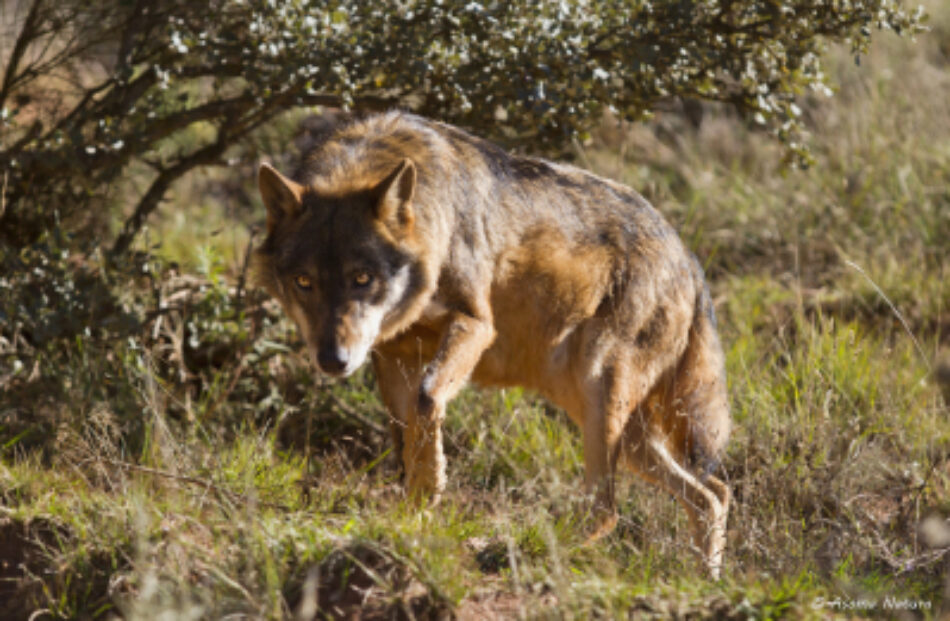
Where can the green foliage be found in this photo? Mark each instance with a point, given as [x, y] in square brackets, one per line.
[177, 85]
[48, 294]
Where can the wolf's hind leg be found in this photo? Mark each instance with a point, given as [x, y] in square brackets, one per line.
[716, 546]
[706, 502]
[610, 400]
[600, 466]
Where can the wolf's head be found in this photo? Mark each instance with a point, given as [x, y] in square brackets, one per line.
[341, 264]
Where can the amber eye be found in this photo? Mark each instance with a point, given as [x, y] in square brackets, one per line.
[303, 282]
[362, 279]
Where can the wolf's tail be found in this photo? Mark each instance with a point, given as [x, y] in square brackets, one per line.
[700, 385]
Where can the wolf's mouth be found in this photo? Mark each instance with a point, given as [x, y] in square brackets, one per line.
[333, 360]
[337, 361]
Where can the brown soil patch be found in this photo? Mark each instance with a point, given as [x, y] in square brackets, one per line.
[22, 559]
[362, 581]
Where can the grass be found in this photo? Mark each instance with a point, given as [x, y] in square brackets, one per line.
[198, 471]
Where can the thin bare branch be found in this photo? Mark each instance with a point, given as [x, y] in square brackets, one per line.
[153, 196]
[28, 34]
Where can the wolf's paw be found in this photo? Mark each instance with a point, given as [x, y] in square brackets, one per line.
[425, 404]
[601, 524]
[425, 488]
[431, 399]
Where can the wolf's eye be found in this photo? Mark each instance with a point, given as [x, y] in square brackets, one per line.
[362, 279]
[303, 282]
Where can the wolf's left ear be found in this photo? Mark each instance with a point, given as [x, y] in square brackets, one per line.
[395, 194]
[282, 196]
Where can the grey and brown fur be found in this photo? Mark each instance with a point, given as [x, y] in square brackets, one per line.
[446, 260]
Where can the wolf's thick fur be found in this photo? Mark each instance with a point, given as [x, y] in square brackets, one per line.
[449, 259]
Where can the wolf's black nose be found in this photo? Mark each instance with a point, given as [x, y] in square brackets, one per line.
[332, 360]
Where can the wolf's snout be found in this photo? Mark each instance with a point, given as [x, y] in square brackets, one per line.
[332, 360]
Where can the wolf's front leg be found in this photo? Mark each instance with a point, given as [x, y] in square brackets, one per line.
[464, 340]
[398, 379]
[417, 439]
[422, 455]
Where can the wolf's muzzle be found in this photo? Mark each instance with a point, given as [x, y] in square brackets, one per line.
[332, 360]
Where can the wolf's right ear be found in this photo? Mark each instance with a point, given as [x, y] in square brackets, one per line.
[282, 196]
[394, 197]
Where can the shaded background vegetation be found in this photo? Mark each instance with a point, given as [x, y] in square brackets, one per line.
[166, 449]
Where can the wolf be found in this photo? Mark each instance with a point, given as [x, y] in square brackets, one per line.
[445, 259]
